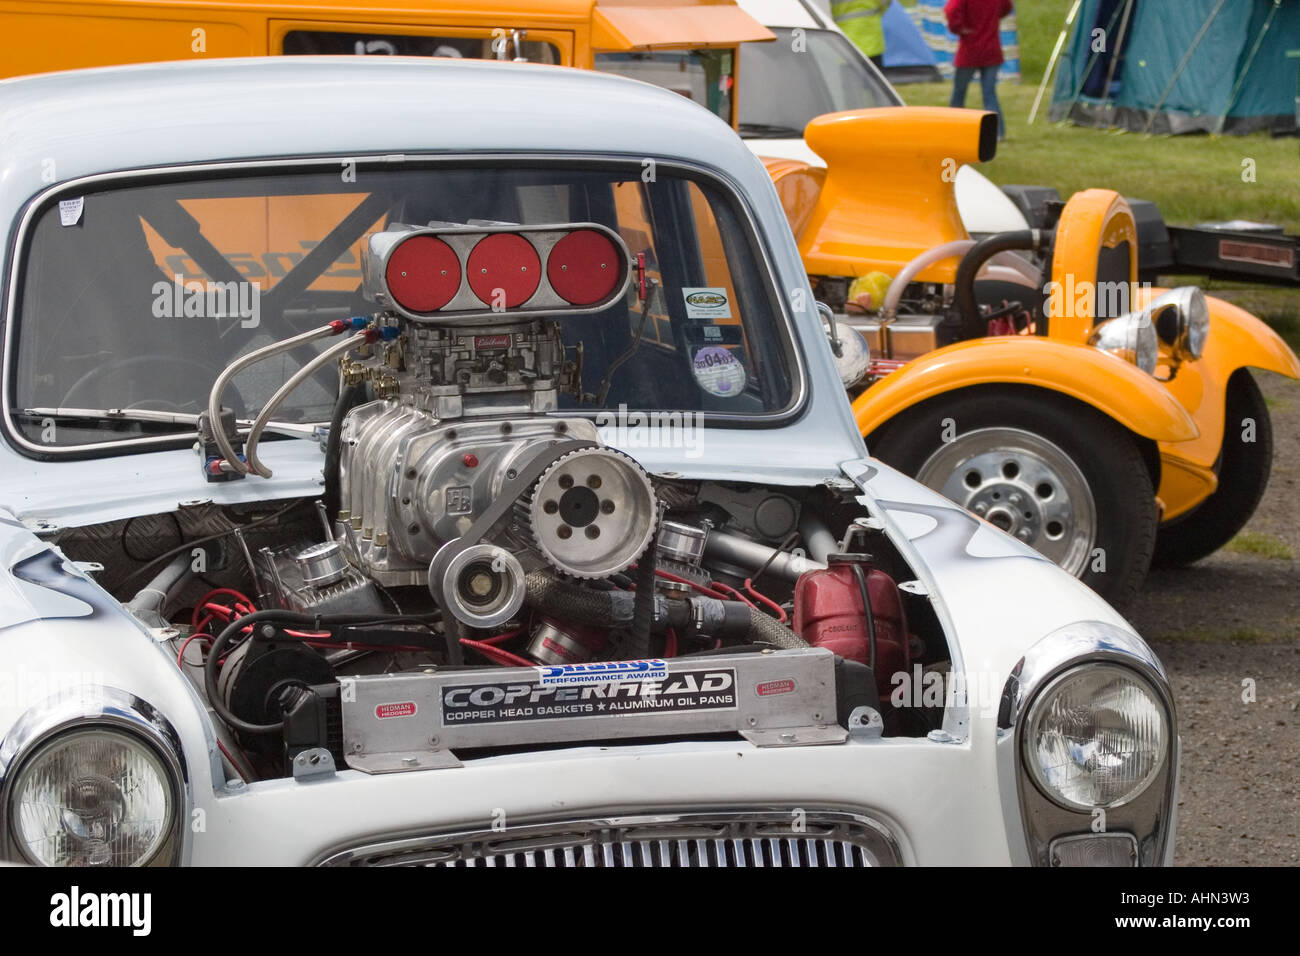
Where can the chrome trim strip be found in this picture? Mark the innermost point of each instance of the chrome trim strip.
(764, 836)
(88, 707)
(757, 240)
(1032, 820)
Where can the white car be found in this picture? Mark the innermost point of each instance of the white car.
(444, 463)
(784, 85)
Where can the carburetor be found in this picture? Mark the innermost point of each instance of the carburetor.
(460, 451)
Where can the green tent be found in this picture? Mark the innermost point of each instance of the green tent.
(1180, 66)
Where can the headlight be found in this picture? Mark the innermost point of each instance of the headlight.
(1096, 737)
(848, 346)
(1182, 321)
(1130, 336)
(93, 797)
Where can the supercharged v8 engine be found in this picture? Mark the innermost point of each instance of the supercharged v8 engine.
(463, 421)
(466, 518)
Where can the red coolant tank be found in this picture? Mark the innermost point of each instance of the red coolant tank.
(828, 613)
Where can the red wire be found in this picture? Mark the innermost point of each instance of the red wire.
(244, 606)
(670, 643)
(502, 638)
(496, 654)
(734, 593)
(232, 761)
(754, 592)
(180, 655)
(669, 576)
(351, 646)
(237, 595)
(231, 592)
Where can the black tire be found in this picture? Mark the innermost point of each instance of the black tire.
(1108, 456)
(1243, 471)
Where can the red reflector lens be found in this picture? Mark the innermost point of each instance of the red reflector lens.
(504, 270)
(584, 267)
(423, 274)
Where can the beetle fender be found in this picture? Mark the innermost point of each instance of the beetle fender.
(1114, 387)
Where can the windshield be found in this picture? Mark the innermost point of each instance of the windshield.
(136, 298)
(707, 77)
(804, 74)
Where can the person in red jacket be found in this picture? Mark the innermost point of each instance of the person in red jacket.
(979, 47)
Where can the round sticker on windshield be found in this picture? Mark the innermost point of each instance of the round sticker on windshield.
(718, 371)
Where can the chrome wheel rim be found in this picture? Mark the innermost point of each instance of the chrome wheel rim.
(1022, 483)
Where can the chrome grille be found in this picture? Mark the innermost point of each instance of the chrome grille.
(754, 838)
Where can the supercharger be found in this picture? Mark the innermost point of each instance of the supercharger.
(461, 419)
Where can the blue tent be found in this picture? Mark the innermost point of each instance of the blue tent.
(908, 59)
(1178, 66)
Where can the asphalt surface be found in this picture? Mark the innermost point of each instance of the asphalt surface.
(1228, 631)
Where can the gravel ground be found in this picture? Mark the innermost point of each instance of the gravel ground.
(1230, 619)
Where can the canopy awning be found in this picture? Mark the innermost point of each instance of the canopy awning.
(647, 26)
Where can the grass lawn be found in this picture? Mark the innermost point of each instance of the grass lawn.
(1191, 178)
(1261, 544)
(1194, 178)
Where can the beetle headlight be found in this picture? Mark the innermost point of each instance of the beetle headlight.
(1096, 736)
(1182, 321)
(92, 797)
(1130, 336)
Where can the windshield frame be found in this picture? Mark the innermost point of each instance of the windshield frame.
(838, 40)
(754, 237)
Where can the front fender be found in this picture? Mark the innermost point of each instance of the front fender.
(1109, 384)
(1236, 340)
(65, 642)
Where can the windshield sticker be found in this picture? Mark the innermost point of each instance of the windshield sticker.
(718, 371)
(707, 303)
(510, 701)
(70, 210)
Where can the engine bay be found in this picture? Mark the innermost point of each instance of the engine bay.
(479, 558)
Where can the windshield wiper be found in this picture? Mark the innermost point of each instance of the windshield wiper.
(769, 131)
(297, 429)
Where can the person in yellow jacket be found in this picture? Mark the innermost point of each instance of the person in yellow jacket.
(863, 22)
